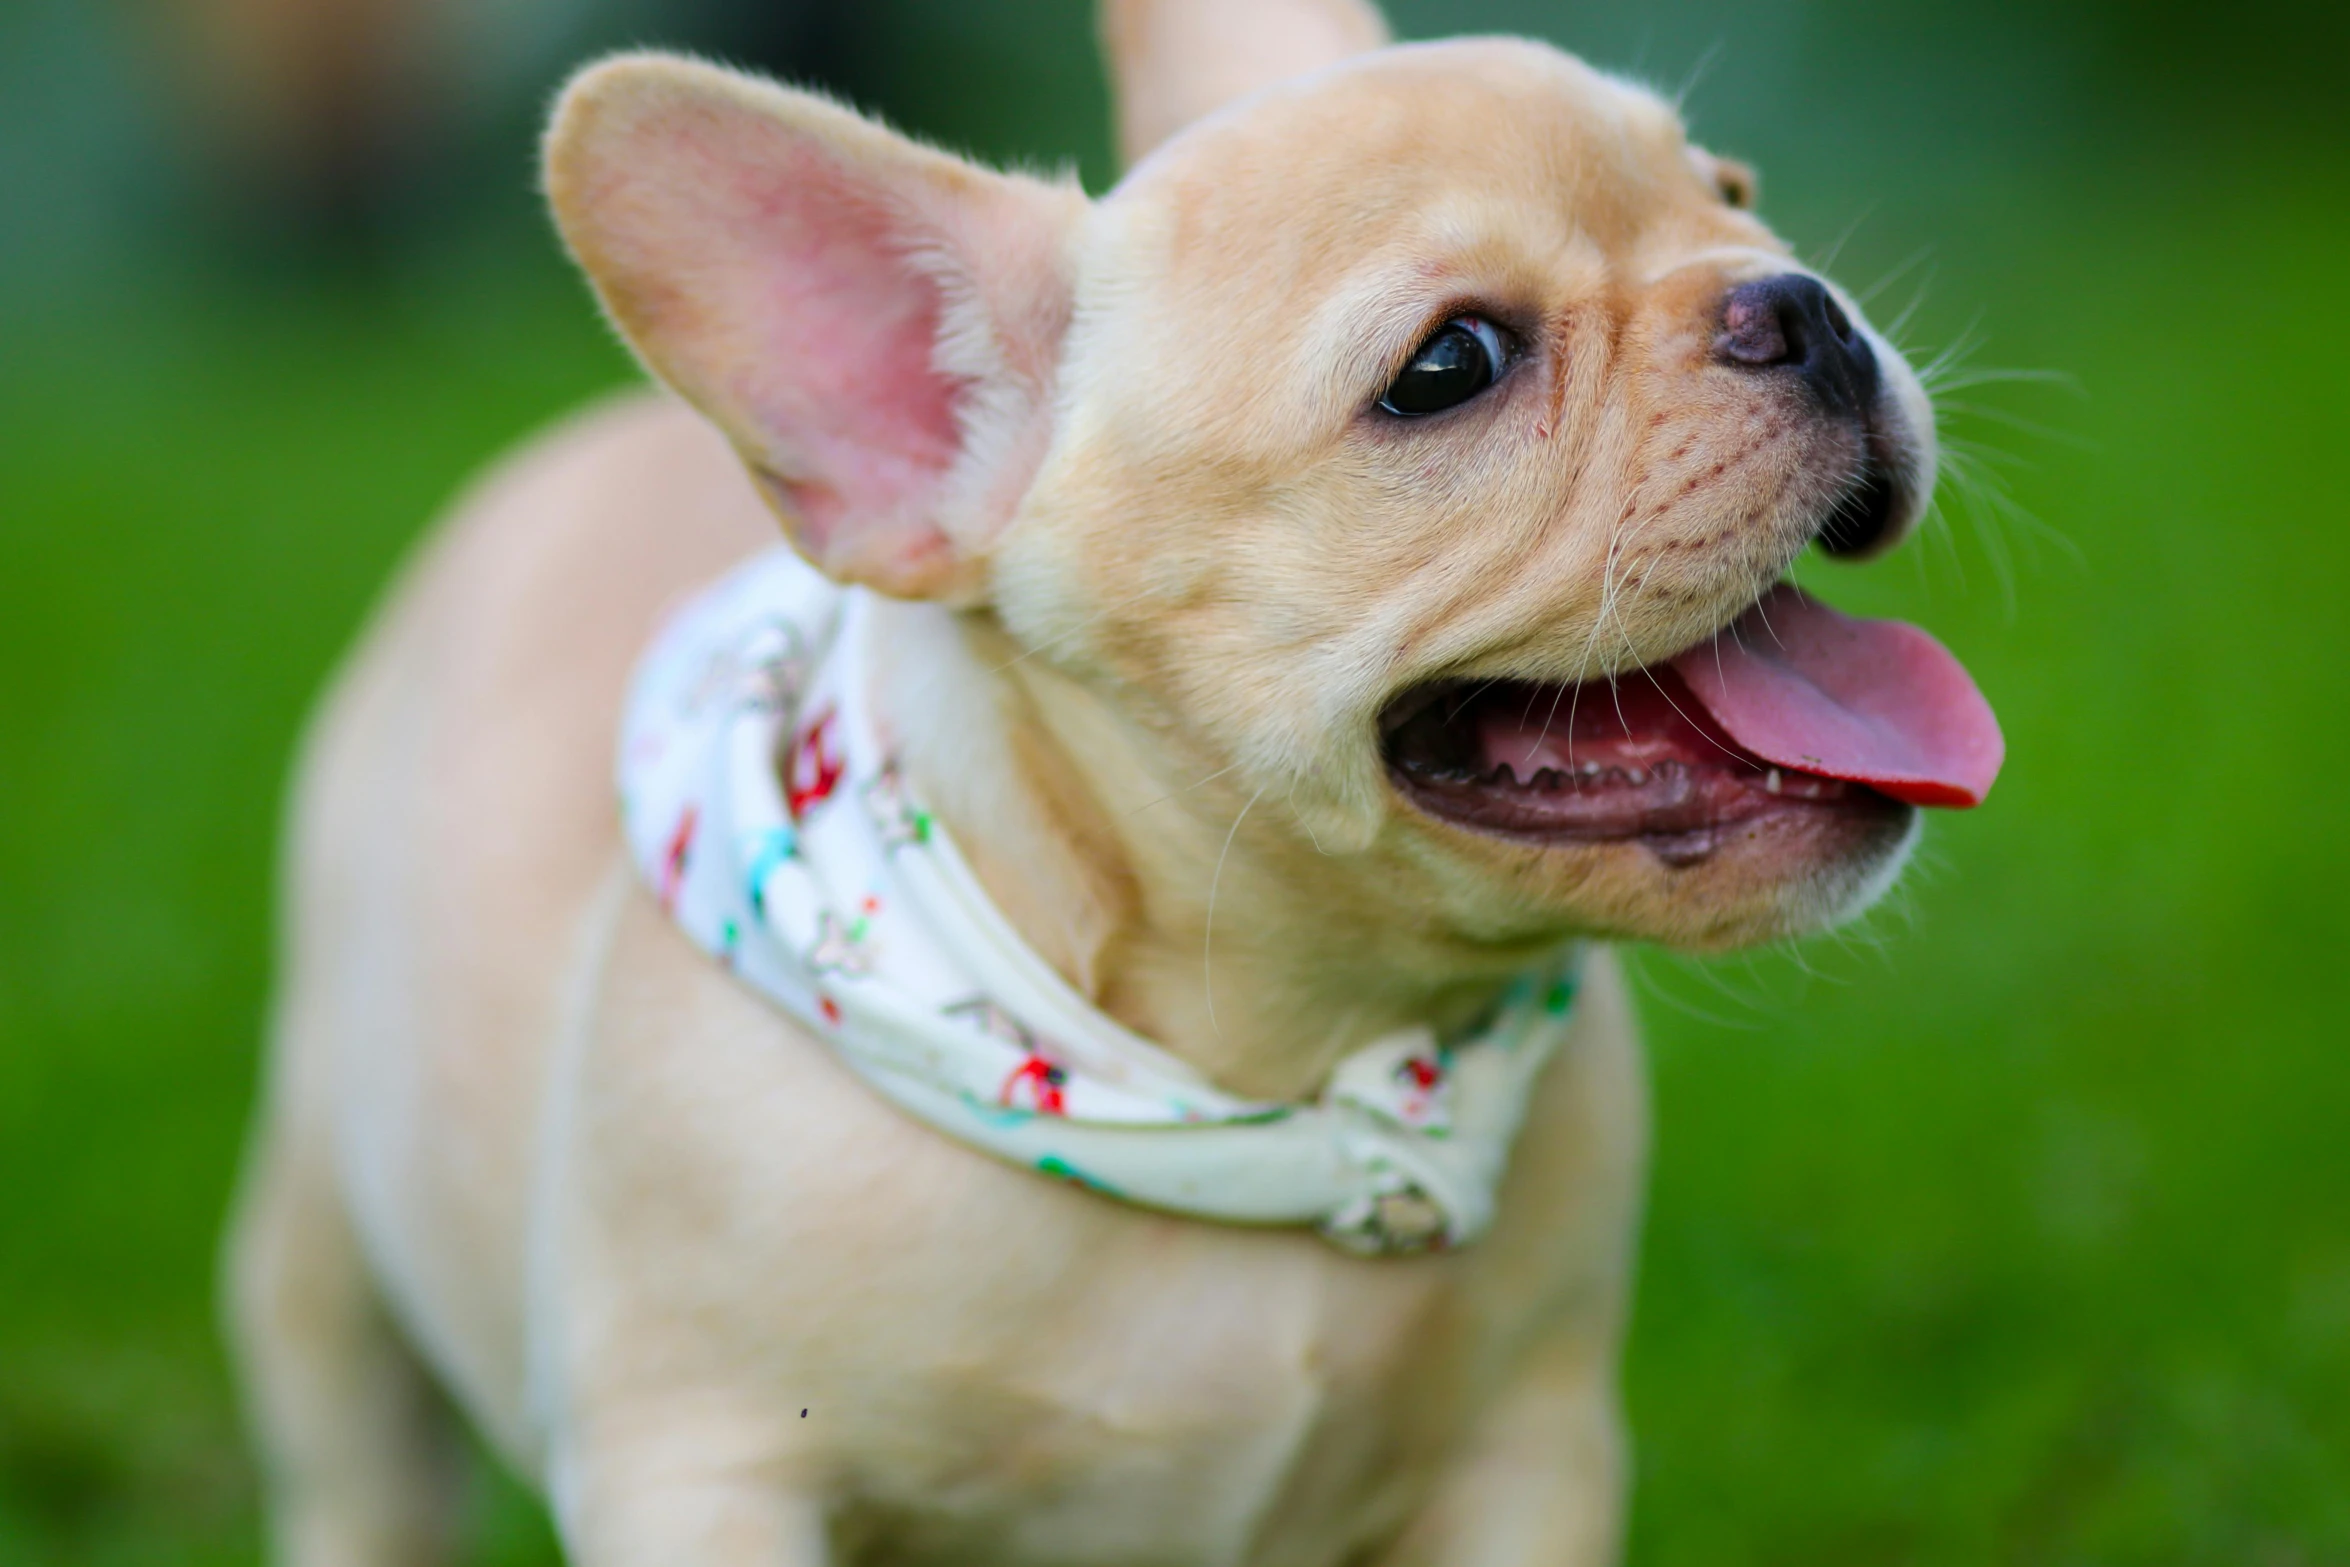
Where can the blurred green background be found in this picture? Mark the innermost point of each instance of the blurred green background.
(2014, 1227)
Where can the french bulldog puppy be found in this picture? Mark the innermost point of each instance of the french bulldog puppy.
(1316, 581)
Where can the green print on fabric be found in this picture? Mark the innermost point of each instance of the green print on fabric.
(1060, 1169)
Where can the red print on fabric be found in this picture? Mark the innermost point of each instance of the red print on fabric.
(1044, 1081)
(816, 767)
(1420, 1072)
(673, 860)
(1421, 1077)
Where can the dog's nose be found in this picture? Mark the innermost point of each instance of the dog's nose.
(1792, 322)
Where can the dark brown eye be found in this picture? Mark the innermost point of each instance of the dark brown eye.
(1463, 358)
(1736, 183)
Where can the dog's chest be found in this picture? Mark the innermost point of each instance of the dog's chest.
(999, 1369)
(1290, 1409)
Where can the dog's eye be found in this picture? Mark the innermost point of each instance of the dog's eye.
(1463, 358)
(1735, 181)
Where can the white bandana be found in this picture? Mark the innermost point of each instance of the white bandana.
(777, 832)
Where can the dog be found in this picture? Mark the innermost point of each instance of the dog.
(1316, 584)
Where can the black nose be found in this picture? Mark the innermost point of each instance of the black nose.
(1791, 322)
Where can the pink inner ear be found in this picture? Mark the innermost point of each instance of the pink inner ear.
(843, 330)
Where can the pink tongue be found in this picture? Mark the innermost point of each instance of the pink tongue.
(1874, 701)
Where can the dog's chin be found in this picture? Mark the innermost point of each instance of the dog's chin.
(1624, 806)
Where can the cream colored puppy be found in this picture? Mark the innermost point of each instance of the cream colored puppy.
(1245, 536)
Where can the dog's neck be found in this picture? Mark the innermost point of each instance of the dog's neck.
(1114, 866)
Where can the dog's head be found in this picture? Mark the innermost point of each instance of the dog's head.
(1418, 440)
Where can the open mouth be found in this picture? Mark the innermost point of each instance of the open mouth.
(1636, 757)
(1791, 708)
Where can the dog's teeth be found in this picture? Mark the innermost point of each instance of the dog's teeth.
(1637, 775)
(1771, 780)
(1591, 769)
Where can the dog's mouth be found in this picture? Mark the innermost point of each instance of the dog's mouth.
(1793, 707)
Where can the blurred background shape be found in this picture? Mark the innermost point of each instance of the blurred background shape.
(2012, 1227)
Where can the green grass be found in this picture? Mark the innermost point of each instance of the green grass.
(2011, 1229)
(206, 482)
(2017, 1233)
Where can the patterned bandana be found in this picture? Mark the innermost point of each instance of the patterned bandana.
(776, 830)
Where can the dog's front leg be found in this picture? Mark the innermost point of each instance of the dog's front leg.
(1541, 1483)
(649, 1325)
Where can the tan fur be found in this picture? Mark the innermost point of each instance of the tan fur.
(1176, 63)
(524, 1142)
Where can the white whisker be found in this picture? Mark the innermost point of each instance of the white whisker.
(1291, 800)
(1827, 261)
(1696, 74)
(1900, 270)
(1186, 789)
(1063, 636)
(1207, 952)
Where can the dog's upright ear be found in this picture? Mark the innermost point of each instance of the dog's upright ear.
(1172, 61)
(874, 324)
